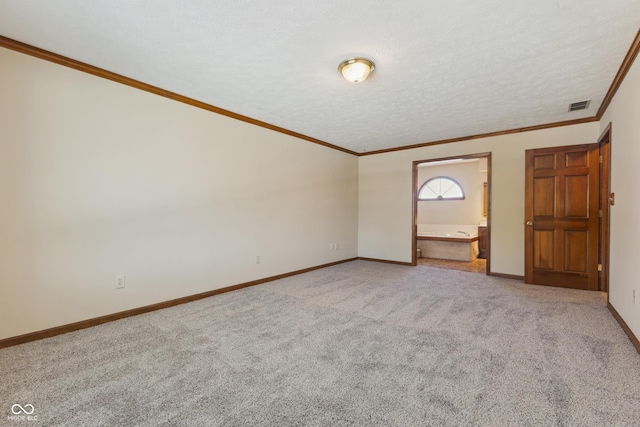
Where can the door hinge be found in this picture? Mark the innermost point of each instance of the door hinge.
(600, 213)
(600, 159)
(599, 267)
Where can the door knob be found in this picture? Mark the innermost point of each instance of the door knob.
(529, 223)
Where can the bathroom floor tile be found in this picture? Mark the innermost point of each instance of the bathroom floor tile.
(477, 266)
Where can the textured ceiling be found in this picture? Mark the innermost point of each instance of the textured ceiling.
(443, 69)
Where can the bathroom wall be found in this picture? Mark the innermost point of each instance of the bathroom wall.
(455, 212)
(98, 179)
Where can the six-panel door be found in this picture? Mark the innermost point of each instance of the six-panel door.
(561, 216)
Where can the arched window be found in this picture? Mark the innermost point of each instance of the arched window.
(441, 188)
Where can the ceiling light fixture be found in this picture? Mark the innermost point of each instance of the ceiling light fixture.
(356, 70)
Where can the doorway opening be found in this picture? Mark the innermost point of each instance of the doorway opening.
(607, 199)
(452, 212)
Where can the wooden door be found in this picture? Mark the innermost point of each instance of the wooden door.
(561, 216)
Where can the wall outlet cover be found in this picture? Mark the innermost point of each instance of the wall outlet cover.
(120, 281)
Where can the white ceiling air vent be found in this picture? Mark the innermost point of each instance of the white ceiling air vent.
(582, 105)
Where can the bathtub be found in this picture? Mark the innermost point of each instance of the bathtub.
(453, 242)
(443, 235)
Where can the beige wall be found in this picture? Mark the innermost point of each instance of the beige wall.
(385, 201)
(98, 179)
(624, 115)
(454, 212)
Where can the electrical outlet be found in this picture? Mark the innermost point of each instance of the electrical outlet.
(337, 246)
(120, 282)
(330, 246)
(257, 259)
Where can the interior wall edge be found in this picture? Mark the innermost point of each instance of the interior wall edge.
(484, 135)
(88, 323)
(634, 340)
(386, 261)
(45, 55)
(625, 66)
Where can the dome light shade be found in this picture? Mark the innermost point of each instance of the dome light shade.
(356, 70)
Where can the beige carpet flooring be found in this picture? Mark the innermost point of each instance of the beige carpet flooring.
(357, 344)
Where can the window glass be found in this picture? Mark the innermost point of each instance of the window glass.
(441, 188)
